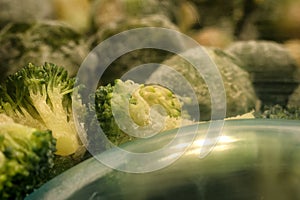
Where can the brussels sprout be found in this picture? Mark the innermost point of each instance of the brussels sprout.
(110, 11)
(240, 94)
(214, 37)
(294, 98)
(137, 57)
(25, 10)
(293, 47)
(271, 67)
(40, 42)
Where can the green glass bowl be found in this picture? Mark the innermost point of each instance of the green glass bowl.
(254, 159)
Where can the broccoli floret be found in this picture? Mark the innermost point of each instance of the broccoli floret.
(26, 155)
(279, 112)
(40, 97)
(141, 102)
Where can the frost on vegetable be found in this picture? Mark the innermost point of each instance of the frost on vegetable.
(135, 57)
(39, 42)
(240, 94)
(271, 67)
(127, 110)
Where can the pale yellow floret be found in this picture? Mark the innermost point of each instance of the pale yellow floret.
(63, 129)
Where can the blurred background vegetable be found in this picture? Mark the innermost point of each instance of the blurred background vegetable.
(272, 69)
(138, 57)
(39, 42)
(25, 11)
(240, 94)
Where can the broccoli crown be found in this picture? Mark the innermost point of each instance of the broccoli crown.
(40, 97)
(103, 96)
(141, 99)
(149, 95)
(279, 112)
(26, 154)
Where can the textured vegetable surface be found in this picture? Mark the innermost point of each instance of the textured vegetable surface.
(26, 155)
(40, 97)
(136, 57)
(240, 94)
(271, 67)
(254, 159)
(110, 103)
(40, 42)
